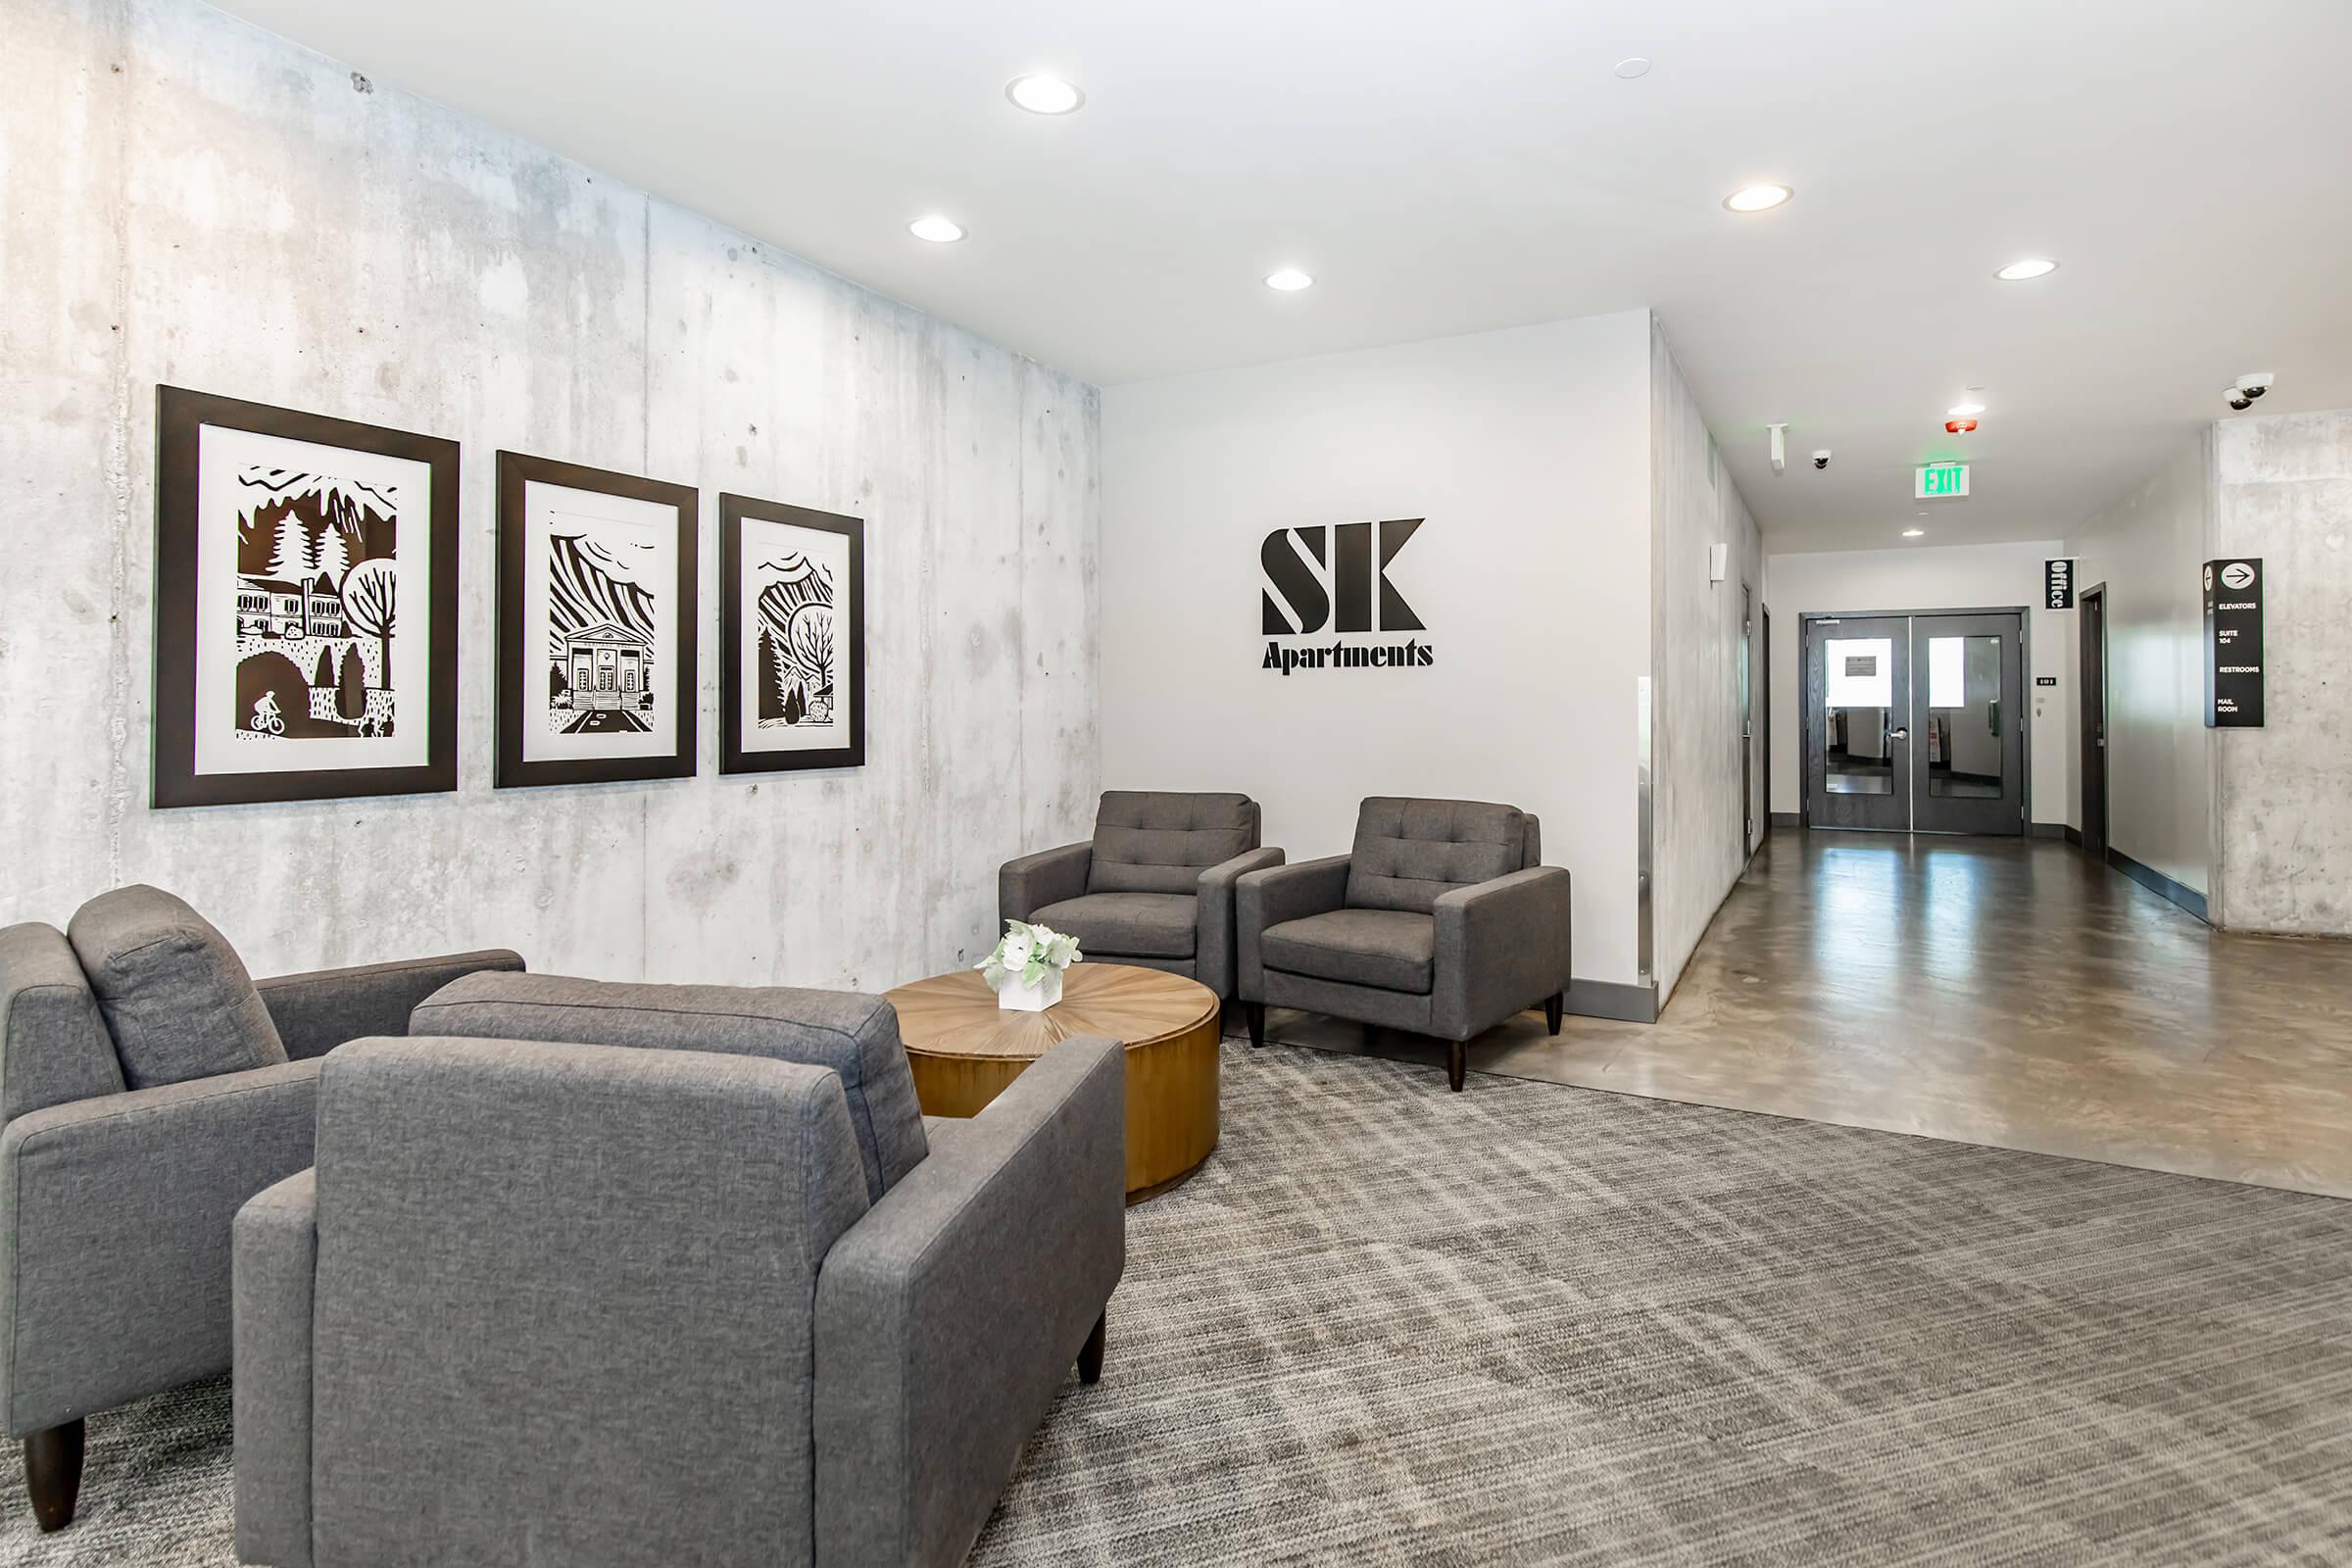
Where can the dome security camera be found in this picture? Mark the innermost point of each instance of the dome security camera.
(2238, 397)
(1821, 459)
(2254, 383)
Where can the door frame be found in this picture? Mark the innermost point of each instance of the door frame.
(1747, 721)
(1764, 725)
(1804, 707)
(2082, 718)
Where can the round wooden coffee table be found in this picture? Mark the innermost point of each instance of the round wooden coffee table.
(965, 1049)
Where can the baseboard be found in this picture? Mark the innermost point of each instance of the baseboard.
(2073, 835)
(1609, 998)
(2051, 830)
(2156, 882)
(1788, 819)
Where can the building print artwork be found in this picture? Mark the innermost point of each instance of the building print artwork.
(600, 632)
(306, 639)
(793, 629)
(596, 625)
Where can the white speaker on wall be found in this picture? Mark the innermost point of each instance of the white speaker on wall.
(1719, 562)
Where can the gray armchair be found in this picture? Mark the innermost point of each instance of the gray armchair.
(1153, 887)
(148, 1088)
(610, 1304)
(1439, 922)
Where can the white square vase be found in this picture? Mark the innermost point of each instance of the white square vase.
(1015, 997)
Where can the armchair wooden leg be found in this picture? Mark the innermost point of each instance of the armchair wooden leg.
(1257, 1011)
(1457, 1062)
(53, 1474)
(1090, 1354)
(1554, 1005)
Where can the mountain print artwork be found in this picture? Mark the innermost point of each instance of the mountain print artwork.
(792, 686)
(317, 605)
(795, 646)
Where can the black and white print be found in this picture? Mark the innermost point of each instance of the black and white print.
(601, 627)
(596, 625)
(317, 605)
(793, 605)
(306, 576)
(794, 626)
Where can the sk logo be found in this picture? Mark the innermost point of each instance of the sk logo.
(1299, 562)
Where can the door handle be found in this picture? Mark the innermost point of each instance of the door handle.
(1899, 734)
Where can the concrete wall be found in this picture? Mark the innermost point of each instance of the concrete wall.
(1698, 842)
(2283, 807)
(2148, 549)
(1936, 577)
(1529, 459)
(191, 201)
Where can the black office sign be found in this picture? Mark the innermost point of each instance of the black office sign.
(2233, 643)
(1329, 579)
(2058, 583)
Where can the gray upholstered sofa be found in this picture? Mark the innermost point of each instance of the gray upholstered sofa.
(1439, 921)
(148, 1088)
(614, 1304)
(1153, 888)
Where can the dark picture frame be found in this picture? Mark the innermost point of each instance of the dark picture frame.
(181, 416)
(739, 652)
(518, 659)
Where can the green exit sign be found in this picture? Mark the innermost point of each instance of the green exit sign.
(1941, 479)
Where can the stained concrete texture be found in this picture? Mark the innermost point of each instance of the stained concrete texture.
(2282, 815)
(192, 202)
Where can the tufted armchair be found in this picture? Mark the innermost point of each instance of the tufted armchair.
(148, 1088)
(1438, 922)
(1153, 887)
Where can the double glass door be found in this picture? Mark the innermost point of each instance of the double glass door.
(1916, 722)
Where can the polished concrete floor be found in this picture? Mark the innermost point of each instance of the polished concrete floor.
(1992, 991)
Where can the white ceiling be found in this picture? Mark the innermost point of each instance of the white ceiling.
(1455, 167)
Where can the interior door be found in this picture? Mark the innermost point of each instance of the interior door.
(1857, 730)
(2094, 720)
(1968, 748)
(1747, 721)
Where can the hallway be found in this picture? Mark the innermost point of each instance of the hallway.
(2001, 992)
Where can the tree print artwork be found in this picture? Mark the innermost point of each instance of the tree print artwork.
(796, 642)
(316, 583)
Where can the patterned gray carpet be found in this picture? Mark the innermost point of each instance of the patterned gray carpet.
(1533, 1324)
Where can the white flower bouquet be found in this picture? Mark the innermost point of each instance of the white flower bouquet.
(1025, 970)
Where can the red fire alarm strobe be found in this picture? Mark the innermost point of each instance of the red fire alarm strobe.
(1958, 426)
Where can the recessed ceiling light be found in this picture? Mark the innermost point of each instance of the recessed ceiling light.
(2031, 267)
(1289, 279)
(1913, 533)
(938, 230)
(1757, 198)
(1964, 411)
(1633, 66)
(1042, 94)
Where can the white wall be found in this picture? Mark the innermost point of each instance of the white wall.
(1529, 459)
(191, 201)
(1937, 577)
(2284, 492)
(1699, 844)
(2148, 549)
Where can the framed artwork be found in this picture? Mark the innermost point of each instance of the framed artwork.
(793, 632)
(306, 606)
(596, 625)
